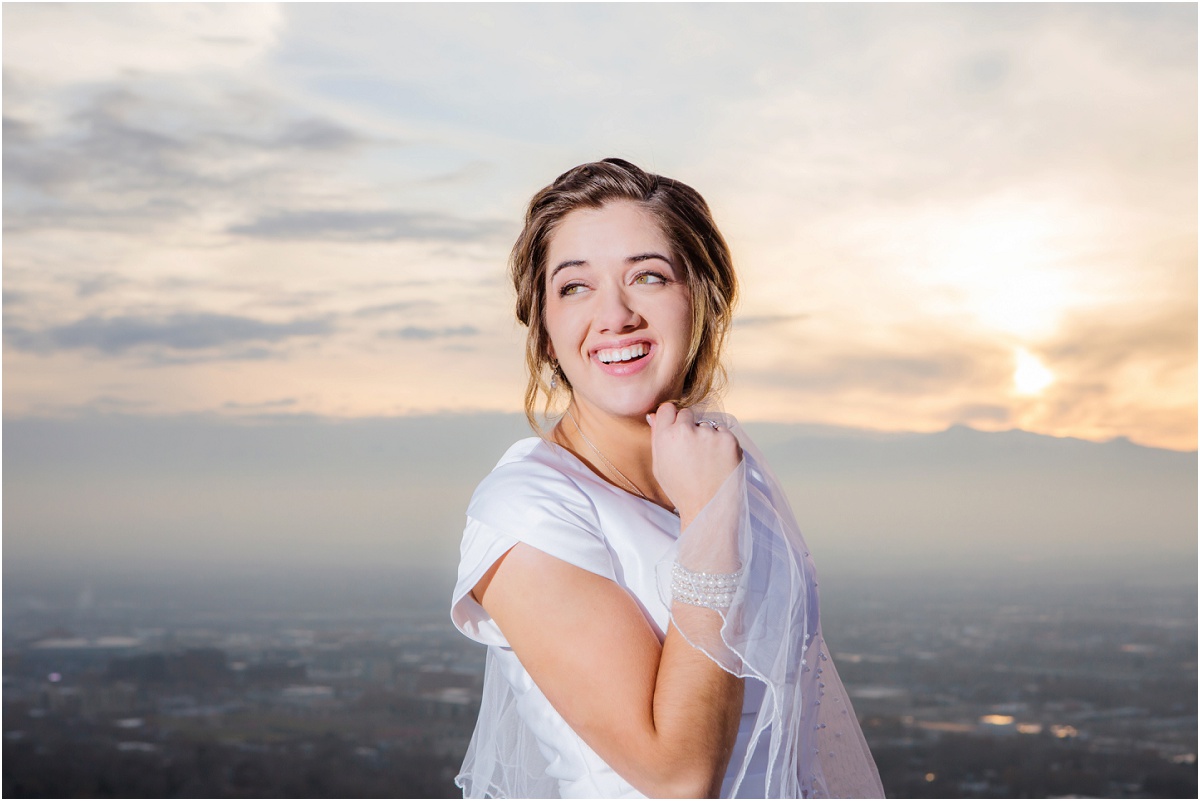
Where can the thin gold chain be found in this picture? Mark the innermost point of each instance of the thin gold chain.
(604, 458)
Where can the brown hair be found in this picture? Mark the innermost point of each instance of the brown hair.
(696, 244)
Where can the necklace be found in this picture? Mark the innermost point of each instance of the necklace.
(604, 458)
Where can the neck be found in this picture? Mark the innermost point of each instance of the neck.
(624, 442)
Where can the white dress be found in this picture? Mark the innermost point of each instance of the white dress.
(542, 495)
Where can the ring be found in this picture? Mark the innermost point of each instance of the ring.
(708, 423)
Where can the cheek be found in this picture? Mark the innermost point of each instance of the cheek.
(559, 332)
(549, 339)
(682, 317)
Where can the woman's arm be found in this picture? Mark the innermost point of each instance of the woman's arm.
(665, 717)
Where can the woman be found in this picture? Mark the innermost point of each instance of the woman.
(648, 602)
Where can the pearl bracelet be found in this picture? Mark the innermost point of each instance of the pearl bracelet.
(710, 590)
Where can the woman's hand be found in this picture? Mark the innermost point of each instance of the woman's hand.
(691, 462)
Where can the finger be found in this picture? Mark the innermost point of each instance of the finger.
(686, 417)
(666, 414)
(650, 420)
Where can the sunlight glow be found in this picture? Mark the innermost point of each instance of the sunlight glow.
(1031, 376)
(1003, 262)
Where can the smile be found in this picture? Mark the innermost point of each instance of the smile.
(615, 355)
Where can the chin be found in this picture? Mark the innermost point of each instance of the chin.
(633, 405)
(624, 397)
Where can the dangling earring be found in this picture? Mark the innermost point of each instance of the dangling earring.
(554, 377)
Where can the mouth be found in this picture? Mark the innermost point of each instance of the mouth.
(624, 359)
(629, 353)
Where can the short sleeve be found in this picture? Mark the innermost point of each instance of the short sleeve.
(531, 502)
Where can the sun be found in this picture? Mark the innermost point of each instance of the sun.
(1030, 376)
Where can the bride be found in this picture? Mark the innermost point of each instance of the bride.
(648, 603)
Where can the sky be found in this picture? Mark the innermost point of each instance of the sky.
(981, 215)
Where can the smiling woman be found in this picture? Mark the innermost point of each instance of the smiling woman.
(648, 602)
(619, 320)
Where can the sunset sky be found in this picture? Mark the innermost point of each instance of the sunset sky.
(941, 214)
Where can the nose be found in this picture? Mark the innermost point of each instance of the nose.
(616, 313)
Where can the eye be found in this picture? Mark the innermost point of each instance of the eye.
(573, 288)
(650, 278)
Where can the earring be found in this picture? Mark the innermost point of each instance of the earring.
(554, 377)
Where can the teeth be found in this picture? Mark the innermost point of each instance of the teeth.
(622, 354)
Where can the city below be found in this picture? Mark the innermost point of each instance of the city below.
(964, 689)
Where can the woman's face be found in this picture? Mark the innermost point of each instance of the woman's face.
(618, 311)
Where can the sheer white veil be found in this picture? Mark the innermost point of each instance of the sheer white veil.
(805, 728)
(813, 743)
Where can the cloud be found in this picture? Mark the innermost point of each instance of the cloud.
(767, 320)
(465, 175)
(950, 102)
(1100, 343)
(384, 309)
(983, 413)
(17, 132)
(425, 334)
(132, 135)
(133, 217)
(99, 142)
(175, 358)
(897, 373)
(80, 43)
(376, 226)
(317, 134)
(133, 155)
(113, 403)
(178, 332)
(281, 403)
(1121, 373)
(96, 284)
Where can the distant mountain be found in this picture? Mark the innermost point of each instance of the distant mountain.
(204, 494)
(975, 501)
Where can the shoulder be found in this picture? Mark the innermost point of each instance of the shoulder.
(533, 479)
(535, 495)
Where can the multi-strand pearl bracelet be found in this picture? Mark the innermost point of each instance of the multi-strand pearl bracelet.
(710, 590)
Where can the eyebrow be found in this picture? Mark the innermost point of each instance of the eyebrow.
(631, 260)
